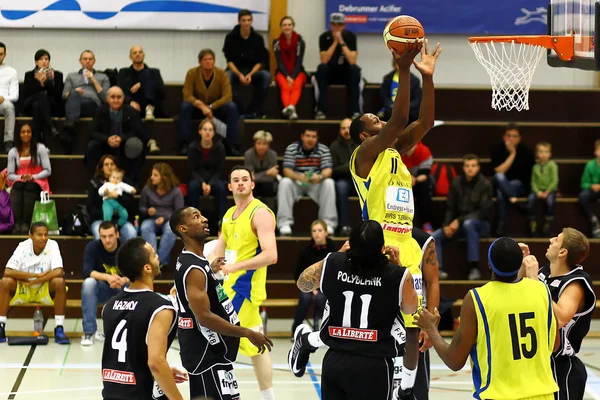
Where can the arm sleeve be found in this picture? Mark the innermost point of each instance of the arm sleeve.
(299, 57)
(497, 156)
(125, 84)
(67, 87)
(105, 83)
(586, 178)
(126, 187)
(484, 207)
(554, 177)
(228, 49)
(89, 260)
(178, 200)
(11, 168)
(280, 64)
(102, 189)
(96, 131)
(56, 261)
(289, 158)
(219, 154)
(534, 186)
(144, 201)
(326, 161)
(56, 88)
(323, 42)
(13, 91)
(14, 262)
(93, 210)
(226, 93)
(159, 84)
(451, 204)
(30, 85)
(45, 159)
(351, 42)
(188, 86)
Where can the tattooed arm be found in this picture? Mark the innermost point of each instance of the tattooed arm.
(310, 279)
(431, 276)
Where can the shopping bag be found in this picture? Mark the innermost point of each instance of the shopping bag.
(45, 211)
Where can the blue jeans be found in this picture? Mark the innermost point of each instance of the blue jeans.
(167, 239)
(218, 190)
(472, 230)
(92, 293)
(506, 189)
(260, 80)
(127, 231)
(343, 189)
(550, 203)
(587, 198)
(227, 113)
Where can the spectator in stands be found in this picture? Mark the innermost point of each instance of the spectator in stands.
(341, 150)
(262, 161)
(160, 198)
(117, 130)
(320, 245)
(206, 160)
(34, 274)
(289, 52)
(207, 94)
(419, 160)
(9, 95)
(43, 95)
(512, 162)
(28, 171)
(307, 168)
(102, 278)
(590, 189)
(544, 183)
(247, 63)
(388, 91)
(84, 91)
(467, 214)
(7, 217)
(338, 52)
(105, 167)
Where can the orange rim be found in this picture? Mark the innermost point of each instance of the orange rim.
(564, 46)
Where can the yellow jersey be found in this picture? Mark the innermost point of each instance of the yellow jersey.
(516, 329)
(241, 244)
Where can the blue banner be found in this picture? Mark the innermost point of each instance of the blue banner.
(471, 17)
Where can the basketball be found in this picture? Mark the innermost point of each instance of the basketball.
(401, 31)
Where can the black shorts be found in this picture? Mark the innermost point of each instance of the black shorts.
(219, 382)
(421, 388)
(352, 377)
(571, 376)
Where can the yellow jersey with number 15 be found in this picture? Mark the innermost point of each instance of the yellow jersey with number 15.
(516, 329)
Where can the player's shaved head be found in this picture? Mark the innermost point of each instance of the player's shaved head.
(135, 48)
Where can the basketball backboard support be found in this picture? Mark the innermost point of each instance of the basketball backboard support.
(580, 18)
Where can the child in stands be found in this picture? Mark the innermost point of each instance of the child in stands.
(544, 183)
(109, 203)
(590, 189)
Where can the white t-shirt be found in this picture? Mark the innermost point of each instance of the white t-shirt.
(209, 247)
(24, 259)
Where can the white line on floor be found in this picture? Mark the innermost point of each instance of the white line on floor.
(593, 384)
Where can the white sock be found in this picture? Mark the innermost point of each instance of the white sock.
(314, 339)
(408, 378)
(268, 394)
(59, 320)
(3, 320)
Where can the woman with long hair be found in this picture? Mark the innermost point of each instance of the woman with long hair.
(159, 199)
(28, 172)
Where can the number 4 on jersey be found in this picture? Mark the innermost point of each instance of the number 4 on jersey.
(120, 344)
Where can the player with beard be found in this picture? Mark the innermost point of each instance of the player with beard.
(139, 328)
(208, 324)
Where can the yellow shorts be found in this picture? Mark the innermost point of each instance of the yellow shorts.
(32, 295)
(249, 315)
(410, 257)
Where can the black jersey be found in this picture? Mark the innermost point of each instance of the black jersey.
(127, 318)
(200, 347)
(423, 239)
(574, 331)
(363, 313)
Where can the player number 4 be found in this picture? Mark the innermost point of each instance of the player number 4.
(364, 312)
(520, 349)
(120, 344)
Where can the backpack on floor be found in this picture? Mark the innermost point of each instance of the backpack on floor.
(443, 175)
(76, 222)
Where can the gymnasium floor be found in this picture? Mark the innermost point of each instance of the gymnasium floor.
(58, 372)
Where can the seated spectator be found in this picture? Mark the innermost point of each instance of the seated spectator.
(34, 275)
(341, 150)
(9, 95)
(117, 129)
(247, 60)
(206, 160)
(42, 91)
(338, 52)
(84, 91)
(512, 162)
(160, 198)
(307, 168)
(7, 217)
(102, 278)
(207, 94)
(28, 171)
(419, 160)
(111, 206)
(320, 245)
(590, 189)
(467, 214)
(289, 53)
(388, 91)
(544, 183)
(262, 161)
(106, 166)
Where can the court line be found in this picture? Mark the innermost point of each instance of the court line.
(68, 349)
(314, 380)
(21, 375)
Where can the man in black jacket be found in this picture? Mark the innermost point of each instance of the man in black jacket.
(388, 90)
(117, 130)
(468, 213)
(247, 63)
(341, 150)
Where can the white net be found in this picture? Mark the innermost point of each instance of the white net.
(511, 67)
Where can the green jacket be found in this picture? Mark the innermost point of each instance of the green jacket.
(544, 177)
(591, 174)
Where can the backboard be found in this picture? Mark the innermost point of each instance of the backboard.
(579, 18)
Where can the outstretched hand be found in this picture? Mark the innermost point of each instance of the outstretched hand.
(405, 60)
(427, 64)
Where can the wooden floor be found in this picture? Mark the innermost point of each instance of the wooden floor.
(73, 371)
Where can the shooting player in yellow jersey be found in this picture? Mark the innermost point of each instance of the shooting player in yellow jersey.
(508, 328)
(248, 243)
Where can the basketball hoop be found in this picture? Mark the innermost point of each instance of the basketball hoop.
(511, 61)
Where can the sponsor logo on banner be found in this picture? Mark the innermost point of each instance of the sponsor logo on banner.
(185, 323)
(212, 337)
(228, 382)
(362, 335)
(115, 376)
(540, 14)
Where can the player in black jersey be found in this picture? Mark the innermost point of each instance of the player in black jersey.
(139, 327)
(574, 301)
(363, 329)
(208, 326)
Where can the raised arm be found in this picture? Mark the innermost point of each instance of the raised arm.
(310, 279)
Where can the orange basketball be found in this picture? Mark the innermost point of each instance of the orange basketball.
(402, 31)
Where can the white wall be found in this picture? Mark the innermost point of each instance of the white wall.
(175, 51)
